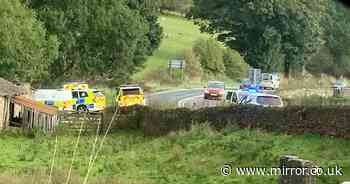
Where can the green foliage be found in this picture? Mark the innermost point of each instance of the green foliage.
(333, 58)
(322, 62)
(235, 66)
(179, 36)
(268, 33)
(26, 50)
(216, 60)
(337, 26)
(193, 67)
(100, 39)
(210, 53)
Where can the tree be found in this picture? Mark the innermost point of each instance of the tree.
(337, 34)
(235, 66)
(101, 39)
(322, 62)
(265, 32)
(26, 50)
(211, 56)
(334, 58)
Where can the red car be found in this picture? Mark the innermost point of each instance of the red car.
(215, 90)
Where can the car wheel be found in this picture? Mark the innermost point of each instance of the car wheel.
(82, 108)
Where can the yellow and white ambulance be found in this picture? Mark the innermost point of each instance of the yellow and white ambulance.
(73, 97)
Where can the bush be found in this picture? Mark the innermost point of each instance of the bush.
(163, 76)
(211, 56)
(235, 67)
(26, 49)
(193, 69)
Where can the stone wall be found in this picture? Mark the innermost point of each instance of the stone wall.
(295, 177)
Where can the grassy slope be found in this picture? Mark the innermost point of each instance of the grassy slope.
(179, 35)
(186, 157)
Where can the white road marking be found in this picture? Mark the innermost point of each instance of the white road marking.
(181, 103)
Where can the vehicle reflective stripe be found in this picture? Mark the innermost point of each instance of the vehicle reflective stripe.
(81, 101)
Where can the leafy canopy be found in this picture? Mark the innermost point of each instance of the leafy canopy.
(26, 50)
(273, 35)
(100, 39)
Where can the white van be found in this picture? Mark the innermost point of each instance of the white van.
(270, 81)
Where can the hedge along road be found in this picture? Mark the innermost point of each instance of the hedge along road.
(171, 98)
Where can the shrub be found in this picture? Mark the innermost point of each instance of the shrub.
(193, 69)
(235, 67)
(210, 53)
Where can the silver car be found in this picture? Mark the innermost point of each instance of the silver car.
(259, 99)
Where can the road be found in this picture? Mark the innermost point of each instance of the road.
(198, 102)
(189, 98)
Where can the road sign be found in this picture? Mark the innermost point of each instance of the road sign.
(177, 64)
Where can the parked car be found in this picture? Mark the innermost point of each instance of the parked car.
(235, 96)
(130, 95)
(260, 99)
(214, 90)
(340, 84)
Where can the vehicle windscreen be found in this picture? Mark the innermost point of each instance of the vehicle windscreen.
(340, 82)
(267, 77)
(52, 95)
(132, 91)
(269, 100)
(216, 85)
(229, 95)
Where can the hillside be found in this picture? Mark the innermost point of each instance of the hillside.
(179, 35)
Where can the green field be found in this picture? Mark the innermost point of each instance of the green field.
(186, 157)
(179, 35)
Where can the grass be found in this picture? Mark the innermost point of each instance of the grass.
(179, 35)
(317, 100)
(183, 157)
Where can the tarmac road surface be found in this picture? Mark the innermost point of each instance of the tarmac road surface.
(185, 98)
(171, 98)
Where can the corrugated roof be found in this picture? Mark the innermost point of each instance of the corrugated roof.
(34, 105)
(9, 89)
